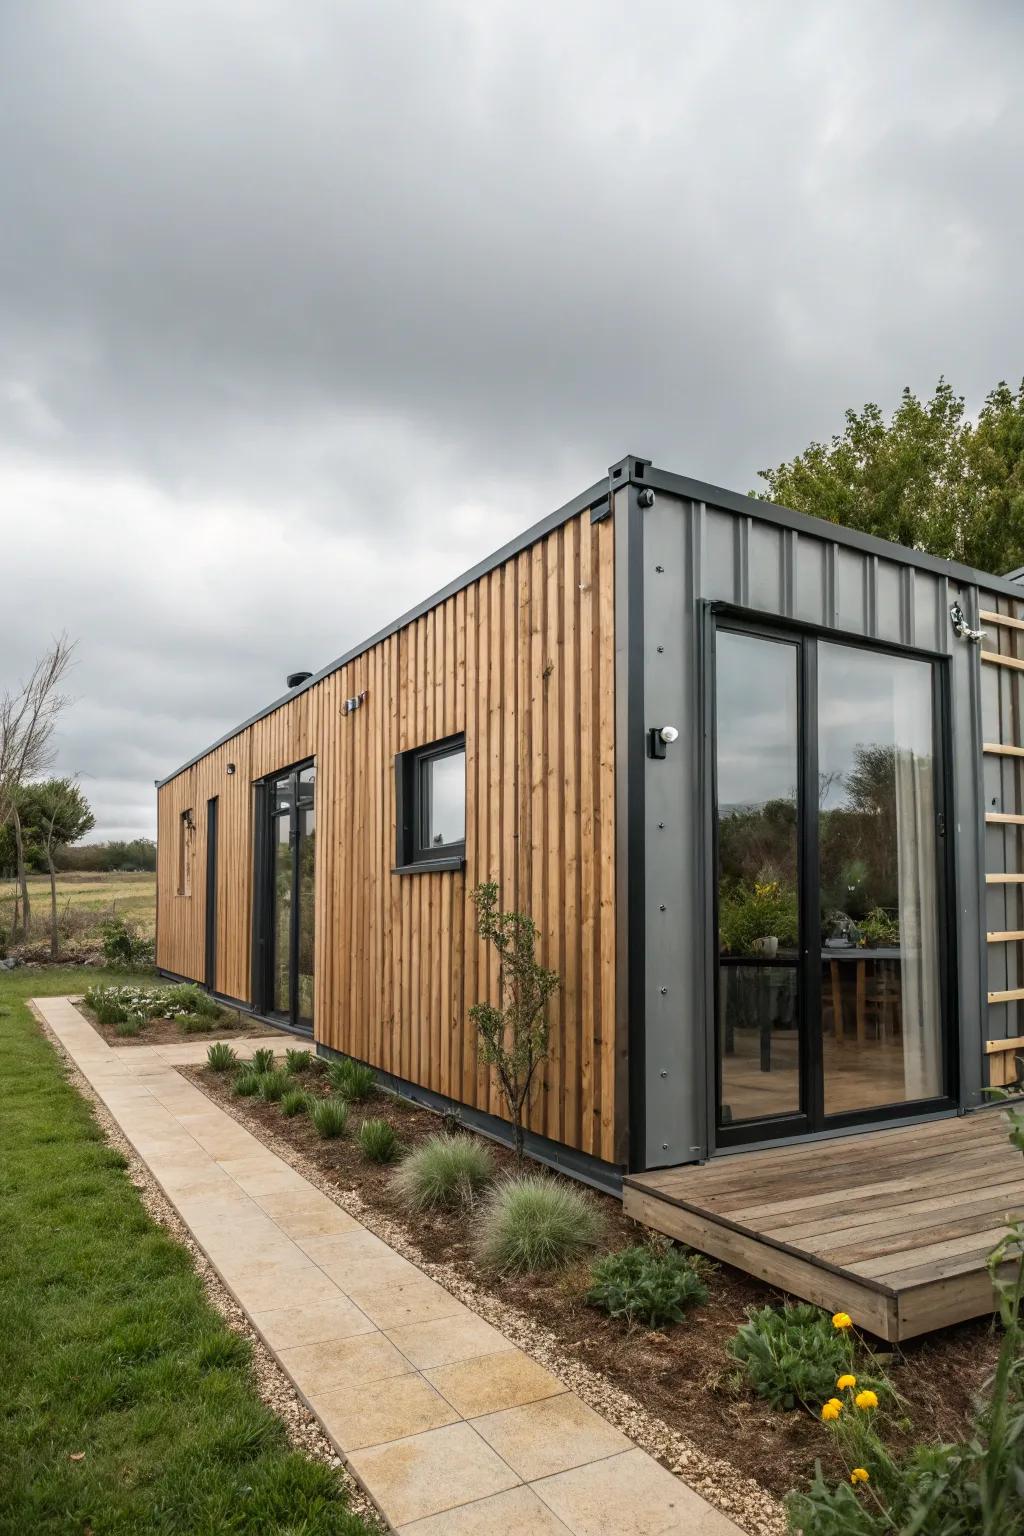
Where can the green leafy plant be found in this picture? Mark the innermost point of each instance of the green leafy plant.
(197, 1024)
(791, 1354)
(531, 1222)
(297, 1061)
(445, 1171)
(273, 1086)
(247, 1083)
(263, 1060)
(191, 999)
(329, 1117)
(124, 946)
(352, 1079)
(879, 929)
(650, 1285)
(294, 1101)
(109, 1010)
(766, 909)
(514, 1034)
(129, 1027)
(378, 1141)
(220, 1057)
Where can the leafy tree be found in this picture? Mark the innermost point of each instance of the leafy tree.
(929, 478)
(57, 813)
(514, 1035)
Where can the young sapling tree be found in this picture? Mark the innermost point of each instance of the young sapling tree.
(514, 1034)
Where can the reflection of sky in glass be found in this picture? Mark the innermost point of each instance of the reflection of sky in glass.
(867, 699)
(757, 733)
(447, 799)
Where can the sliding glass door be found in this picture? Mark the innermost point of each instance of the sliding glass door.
(831, 978)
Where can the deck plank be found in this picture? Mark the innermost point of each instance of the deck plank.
(893, 1225)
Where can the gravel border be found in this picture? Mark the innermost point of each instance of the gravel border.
(272, 1383)
(722, 1484)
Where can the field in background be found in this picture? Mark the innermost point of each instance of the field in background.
(87, 899)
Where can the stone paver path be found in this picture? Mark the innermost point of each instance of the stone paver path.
(451, 1429)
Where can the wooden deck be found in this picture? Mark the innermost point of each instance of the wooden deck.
(892, 1226)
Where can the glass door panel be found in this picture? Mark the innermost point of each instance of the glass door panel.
(288, 978)
(282, 889)
(306, 912)
(881, 1010)
(757, 837)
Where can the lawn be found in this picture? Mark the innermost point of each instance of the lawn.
(127, 1403)
(85, 899)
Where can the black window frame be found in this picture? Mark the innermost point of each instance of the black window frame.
(412, 855)
(265, 815)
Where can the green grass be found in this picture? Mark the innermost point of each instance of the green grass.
(93, 895)
(109, 1351)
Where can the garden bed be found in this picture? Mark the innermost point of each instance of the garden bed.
(684, 1375)
(159, 1029)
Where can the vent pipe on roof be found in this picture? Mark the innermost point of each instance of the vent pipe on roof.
(296, 679)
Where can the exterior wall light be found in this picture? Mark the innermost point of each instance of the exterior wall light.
(231, 768)
(659, 737)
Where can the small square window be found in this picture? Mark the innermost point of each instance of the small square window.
(431, 789)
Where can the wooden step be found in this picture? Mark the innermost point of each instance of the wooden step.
(1001, 749)
(1012, 936)
(985, 617)
(1004, 818)
(1002, 661)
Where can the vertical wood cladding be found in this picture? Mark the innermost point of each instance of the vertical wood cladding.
(522, 660)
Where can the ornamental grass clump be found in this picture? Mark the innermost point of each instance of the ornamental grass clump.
(128, 1027)
(351, 1079)
(378, 1142)
(296, 1062)
(263, 1060)
(220, 1057)
(530, 1222)
(247, 1083)
(273, 1086)
(648, 1285)
(294, 1102)
(445, 1171)
(329, 1117)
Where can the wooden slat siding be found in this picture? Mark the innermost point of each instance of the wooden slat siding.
(900, 1213)
(397, 960)
(988, 616)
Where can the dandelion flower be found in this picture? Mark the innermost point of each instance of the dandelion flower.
(842, 1320)
(846, 1381)
(859, 1475)
(832, 1409)
(866, 1399)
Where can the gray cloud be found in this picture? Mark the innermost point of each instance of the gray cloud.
(305, 308)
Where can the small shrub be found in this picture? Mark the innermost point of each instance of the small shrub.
(128, 1027)
(220, 1057)
(654, 1286)
(792, 1355)
(124, 946)
(351, 1079)
(378, 1141)
(445, 1171)
(108, 1010)
(329, 1117)
(197, 1024)
(263, 1060)
(293, 1102)
(297, 1061)
(531, 1222)
(247, 1083)
(186, 997)
(273, 1086)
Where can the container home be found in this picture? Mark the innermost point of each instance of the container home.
(756, 777)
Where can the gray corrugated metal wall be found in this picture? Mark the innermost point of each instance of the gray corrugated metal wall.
(695, 554)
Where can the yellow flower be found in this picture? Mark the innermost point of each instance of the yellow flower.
(866, 1399)
(832, 1409)
(842, 1320)
(846, 1381)
(859, 1475)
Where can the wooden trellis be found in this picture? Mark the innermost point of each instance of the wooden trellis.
(1003, 1053)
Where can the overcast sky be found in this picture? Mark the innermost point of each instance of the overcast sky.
(306, 306)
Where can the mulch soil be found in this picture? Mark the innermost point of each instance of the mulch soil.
(173, 1032)
(683, 1376)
